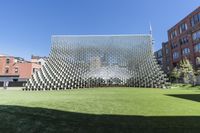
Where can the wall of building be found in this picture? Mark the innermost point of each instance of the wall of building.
(6, 65)
(166, 57)
(26, 69)
(17, 68)
(181, 42)
(40, 61)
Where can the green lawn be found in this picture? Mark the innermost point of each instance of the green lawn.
(99, 110)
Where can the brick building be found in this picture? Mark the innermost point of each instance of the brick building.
(163, 57)
(159, 56)
(183, 41)
(16, 68)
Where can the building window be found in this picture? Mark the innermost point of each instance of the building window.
(197, 48)
(167, 60)
(186, 51)
(7, 70)
(175, 55)
(196, 35)
(159, 54)
(160, 61)
(34, 70)
(173, 34)
(174, 45)
(7, 61)
(16, 70)
(167, 51)
(183, 40)
(195, 19)
(183, 27)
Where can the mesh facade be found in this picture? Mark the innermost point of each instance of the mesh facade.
(97, 61)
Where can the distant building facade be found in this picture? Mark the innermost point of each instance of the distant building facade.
(159, 56)
(38, 59)
(16, 68)
(166, 57)
(8, 71)
(183, 41)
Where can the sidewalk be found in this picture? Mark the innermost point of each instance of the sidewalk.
(12, 88)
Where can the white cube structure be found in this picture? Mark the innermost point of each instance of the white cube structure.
(85, 61)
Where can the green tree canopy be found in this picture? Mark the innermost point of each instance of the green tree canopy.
(175, 74)
(186, 70)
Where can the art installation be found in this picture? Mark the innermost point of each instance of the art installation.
(86, 61)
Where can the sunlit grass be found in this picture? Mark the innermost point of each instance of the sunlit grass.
(101, 104)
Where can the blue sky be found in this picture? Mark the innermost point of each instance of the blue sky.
(26, 26)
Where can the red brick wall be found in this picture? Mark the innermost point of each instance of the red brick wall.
(25, 69)
(192, 56)
(4, 65)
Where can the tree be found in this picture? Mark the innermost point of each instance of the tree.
(187, 71)
(197, 73)
(175, 74)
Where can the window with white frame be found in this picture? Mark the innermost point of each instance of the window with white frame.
(195, 19)
(176, 55)
(16, 70)
(183, 40)
(174, 45)
(196, 35)
(173, 34)
(197, 47)
(7, 61)
(186, 51)
(183, 27)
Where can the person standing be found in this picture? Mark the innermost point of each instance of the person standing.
(5, 84)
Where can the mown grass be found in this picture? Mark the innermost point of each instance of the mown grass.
(100, 110)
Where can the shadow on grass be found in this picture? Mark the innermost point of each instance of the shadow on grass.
(193, 97)
(17, 119)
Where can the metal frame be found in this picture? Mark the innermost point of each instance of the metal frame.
(85, 61)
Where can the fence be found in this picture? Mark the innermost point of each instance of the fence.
(14, 84)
